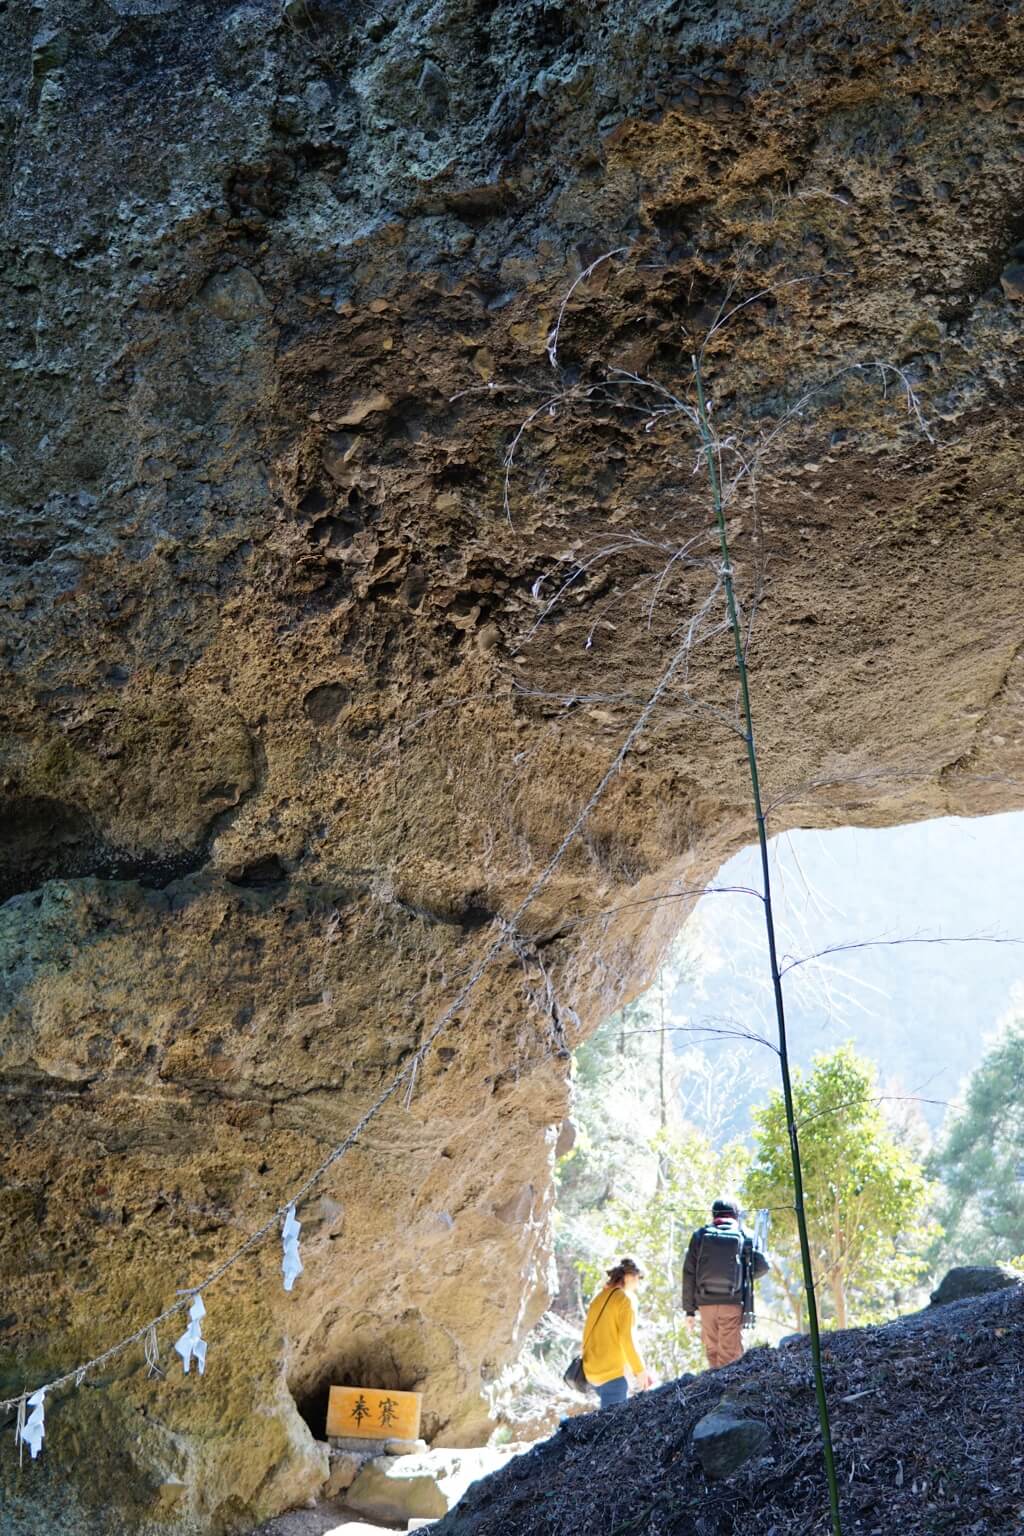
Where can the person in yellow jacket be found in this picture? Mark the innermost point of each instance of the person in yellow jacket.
(609, 1341)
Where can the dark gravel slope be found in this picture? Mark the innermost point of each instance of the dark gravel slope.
(928, 1414)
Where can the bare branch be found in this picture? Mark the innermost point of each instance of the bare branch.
(551, 346)
(705, 1030)
(876, 1098)
(791, 963)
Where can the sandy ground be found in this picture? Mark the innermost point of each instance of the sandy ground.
(329, 1519)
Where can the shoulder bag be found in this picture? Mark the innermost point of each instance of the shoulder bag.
(573, 1374)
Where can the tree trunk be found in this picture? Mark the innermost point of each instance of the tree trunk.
(794, 1299)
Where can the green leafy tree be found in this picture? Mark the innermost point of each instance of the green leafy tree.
(981, 1159)
(655, 1230)
(865, 1196)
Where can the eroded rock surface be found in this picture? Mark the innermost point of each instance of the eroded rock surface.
(287, 730)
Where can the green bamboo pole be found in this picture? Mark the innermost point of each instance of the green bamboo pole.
(780, 1010)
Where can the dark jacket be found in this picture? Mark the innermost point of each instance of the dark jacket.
(699, 1287)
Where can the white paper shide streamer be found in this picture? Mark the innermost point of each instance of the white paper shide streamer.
(291, 1264)
(192, 1344)
(30, 1431)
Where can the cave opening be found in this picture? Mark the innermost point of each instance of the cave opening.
(906, 941)
(903, 957)
(385, 1355)
(312, 1407)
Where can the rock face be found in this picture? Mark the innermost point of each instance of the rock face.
(304, 686)
(973, 1280)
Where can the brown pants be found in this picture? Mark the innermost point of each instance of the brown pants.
(721, 1332)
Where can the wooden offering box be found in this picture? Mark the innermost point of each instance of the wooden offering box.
(369, 1414)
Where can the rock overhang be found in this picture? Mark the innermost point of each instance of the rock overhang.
(271, 682)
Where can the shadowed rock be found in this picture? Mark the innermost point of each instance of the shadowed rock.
(973, 1280)
(277, 302)
(723, 1440)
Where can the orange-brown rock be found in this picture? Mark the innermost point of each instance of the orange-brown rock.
(287, 732)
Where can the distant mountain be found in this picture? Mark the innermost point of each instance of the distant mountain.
(921, 1010)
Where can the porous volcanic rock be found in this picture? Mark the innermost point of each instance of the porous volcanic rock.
(303, 688)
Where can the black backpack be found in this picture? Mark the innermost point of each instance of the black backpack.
(720, 1263)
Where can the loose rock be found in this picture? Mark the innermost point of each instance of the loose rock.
(724, 1440)
(344, 1470)
(401, 1488)
(397, 1488)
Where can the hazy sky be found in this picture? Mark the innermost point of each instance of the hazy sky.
(922, 1011)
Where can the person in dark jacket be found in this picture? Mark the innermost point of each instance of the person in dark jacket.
(713, 1278)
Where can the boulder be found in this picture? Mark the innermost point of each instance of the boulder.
(396, 1489)
(344, 1471)
(234, 296)
(723, 1440)
(973, 1280)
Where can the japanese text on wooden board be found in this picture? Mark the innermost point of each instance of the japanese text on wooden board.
(373, 1414)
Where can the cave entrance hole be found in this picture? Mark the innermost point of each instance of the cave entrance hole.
(910, 980)
(390, 1355)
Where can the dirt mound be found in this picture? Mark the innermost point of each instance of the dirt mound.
(926, 1425)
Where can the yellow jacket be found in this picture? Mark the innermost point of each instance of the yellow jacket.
(608, 1343)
